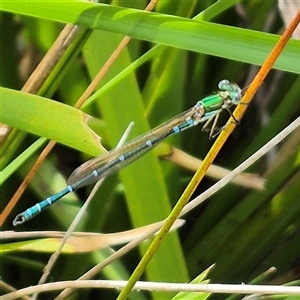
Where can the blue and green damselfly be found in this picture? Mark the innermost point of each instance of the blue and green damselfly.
(105, 165)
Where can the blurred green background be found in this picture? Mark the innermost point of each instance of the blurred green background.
(242, 231)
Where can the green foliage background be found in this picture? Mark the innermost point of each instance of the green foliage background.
(244, 232)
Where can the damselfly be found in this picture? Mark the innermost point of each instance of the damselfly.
(104, 165)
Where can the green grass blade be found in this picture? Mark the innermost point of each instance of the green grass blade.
(199, 36)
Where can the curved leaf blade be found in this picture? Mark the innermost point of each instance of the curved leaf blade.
(50, 119)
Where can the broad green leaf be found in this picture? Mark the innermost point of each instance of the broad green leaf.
(203, 37)
(119, 106)
(50, 119)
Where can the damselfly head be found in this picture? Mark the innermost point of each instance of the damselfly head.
(234, 92)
